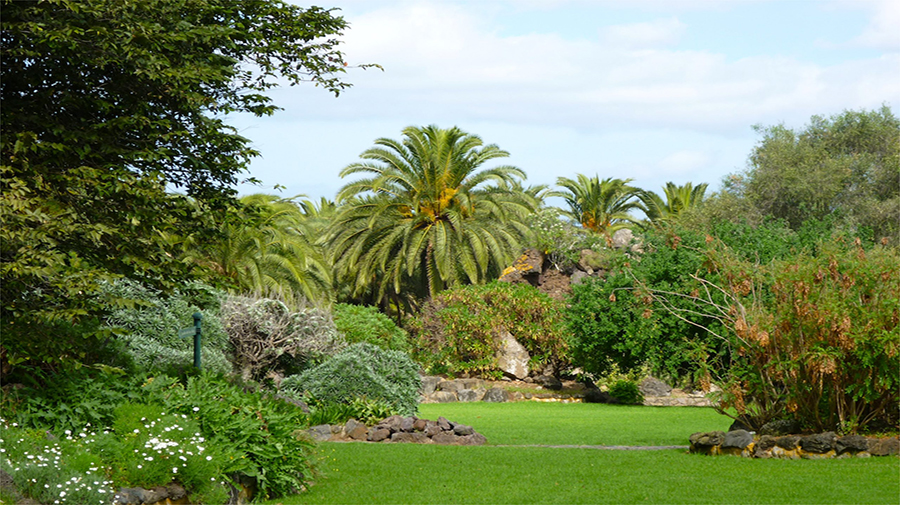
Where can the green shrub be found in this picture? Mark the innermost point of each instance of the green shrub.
(266, 431)
(266, 334)
(70, 399)
(362, 409)
(627, 392)
(367, 324)
(458, 330)
(361, 370)
(150, 329)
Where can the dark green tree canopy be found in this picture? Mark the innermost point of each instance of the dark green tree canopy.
(107, 105)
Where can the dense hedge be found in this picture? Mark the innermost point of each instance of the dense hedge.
(366, 324)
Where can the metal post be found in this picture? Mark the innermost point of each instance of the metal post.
(197, 318)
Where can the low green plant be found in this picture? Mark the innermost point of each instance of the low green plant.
(627, 392)
(366, 324)
(266, 431)
(361, 370)
(362, 409)
(458, 330)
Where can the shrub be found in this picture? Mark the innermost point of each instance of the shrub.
(559, 240)
(150, 329)
(816, 336)
(268, 433)
(458, 330)
(366, 324)
(265, 333)
(361, 370)
(627, 392)
(616, 321)
(70, 399)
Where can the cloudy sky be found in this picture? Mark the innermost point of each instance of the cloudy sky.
(654, 90)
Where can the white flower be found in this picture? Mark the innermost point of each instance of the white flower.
(209, 458)
(174, 469)
(196, 409)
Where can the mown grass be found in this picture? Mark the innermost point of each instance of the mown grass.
(530, 423)
(399, 473)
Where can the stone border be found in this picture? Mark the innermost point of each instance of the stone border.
(818, 446)
(398, 429)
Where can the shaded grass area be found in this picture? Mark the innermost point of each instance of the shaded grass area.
(528, 423)
(399, 473)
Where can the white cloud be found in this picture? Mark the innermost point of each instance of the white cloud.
(660, 32)
(883, 30)
(684, 162)
(444, 61)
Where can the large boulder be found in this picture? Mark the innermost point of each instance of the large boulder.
(496, 395)
(512, 357)
(652, 386)
(429, 384)
(527, 268)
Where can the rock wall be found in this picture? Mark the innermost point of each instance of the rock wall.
(817, 446)
(397, 429)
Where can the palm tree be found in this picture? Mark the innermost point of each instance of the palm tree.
(678, 199)
(427, 216)
(600, 206)
(267, 246)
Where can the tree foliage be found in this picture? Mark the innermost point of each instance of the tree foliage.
(847, 166)
(600, 206)
(427, 217)
(107, 104)
(677, 200)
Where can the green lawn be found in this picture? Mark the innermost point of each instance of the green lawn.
(393, 473)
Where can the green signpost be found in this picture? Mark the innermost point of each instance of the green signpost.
(195, 331)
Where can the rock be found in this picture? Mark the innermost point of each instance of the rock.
(443, 397)
(429, 384)
(763, 445)
(707, 439)
(379, 434)
(884, 446)
(622, 238)
(851, 443)
(356, 430)
(597, 396)
(780, 427)
(473, 439)
(819, 443)
(157, 494)
(444, 424)
(320, 433)
(471, 383)
(589, 261)
(129, 496)
(445, 438)
(420, 424)
(789, 442)
(549, 382)
(449, 386)
(406, 424)
(392, 423)
(470, 395)
(496, 395)
(652, 386)
(409, 438)
(526, 268)
(432, 429)
(463, 430)
(578, 277)
(512, 357)
(738, 439)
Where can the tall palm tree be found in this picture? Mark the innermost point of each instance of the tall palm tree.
(427, 216)
(678, 199)
(267, 246)
(600, 206)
